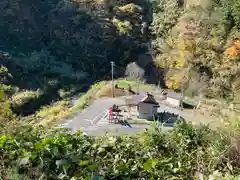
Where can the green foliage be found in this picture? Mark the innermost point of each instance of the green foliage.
(23, 97)
(123, 27)
(125, 83)
(165, 17)
(5, 110)
(84, 36)
(3, 74)
(179, 154)
(12, 173)
(65, 46)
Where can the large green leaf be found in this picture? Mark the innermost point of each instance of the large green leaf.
(84, 163)
(148, 165)
(3, 140)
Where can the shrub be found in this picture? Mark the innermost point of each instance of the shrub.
(5, 110)
(23, 97)
(124, 27)
(130, 8)
(181, 153)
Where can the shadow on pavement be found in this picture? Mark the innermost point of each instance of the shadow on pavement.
(124, 123)
(188, 106)
(168, 119)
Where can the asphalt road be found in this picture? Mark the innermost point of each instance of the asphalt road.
(114, 129)
(91, 115)
(90, 120)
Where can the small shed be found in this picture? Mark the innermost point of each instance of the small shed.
(145, 104)
(174, 99)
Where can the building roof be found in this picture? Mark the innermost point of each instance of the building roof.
(141, 98)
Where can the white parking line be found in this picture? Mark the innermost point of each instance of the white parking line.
(97, 117)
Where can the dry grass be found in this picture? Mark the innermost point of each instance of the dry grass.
(217, 108)
(88, 97)
(107, 92)
(20, 98)
(49, 115)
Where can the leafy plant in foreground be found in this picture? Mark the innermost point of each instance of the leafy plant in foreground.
(179, 154)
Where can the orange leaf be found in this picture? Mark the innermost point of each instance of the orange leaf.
(232, 51)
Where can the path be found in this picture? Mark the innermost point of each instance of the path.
(91, 115)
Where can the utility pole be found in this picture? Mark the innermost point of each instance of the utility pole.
(182, 94)
(112, 64)
(138, 86)
(138, 81)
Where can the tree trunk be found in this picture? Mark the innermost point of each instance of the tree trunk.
(199, 101)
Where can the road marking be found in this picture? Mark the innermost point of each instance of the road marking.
(98, 117)
(88, 120)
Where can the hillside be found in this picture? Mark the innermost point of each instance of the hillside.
(53, 50)
(198, 43)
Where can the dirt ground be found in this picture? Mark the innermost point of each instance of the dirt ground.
(107, 92)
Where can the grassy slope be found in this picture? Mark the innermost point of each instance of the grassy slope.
(123, 83)
(52, 114)
(87, 98)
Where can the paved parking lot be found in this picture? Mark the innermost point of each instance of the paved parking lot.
(90, 120)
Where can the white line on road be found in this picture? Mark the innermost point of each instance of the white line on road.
(97, 117)
(91, 121)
